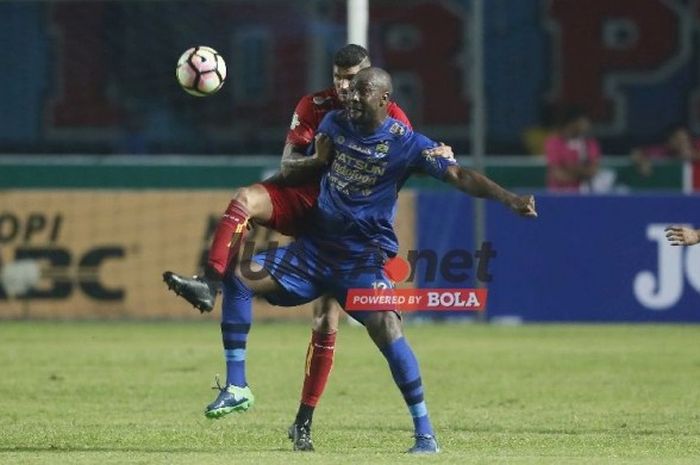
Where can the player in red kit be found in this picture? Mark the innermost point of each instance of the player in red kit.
(282, 203)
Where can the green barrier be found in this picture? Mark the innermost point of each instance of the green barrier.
(531, 173)
(105, 176)
(193, 172)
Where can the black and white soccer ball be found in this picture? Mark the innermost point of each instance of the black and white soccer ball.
(201, 71)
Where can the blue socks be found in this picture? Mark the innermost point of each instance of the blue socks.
(236, 317)
(404, 369)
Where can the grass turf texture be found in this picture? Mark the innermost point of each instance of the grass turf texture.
(128, 393)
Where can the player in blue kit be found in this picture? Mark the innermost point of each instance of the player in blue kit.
(350, 238)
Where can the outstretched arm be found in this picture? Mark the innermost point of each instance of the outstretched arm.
(476, 184)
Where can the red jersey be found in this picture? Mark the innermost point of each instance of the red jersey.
(313, 107)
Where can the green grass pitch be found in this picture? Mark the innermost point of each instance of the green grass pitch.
(134, 393)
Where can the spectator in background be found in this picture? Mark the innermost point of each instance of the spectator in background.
(678, 144)
(572, 155)
(534, 137)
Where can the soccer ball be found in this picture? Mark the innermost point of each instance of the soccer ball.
(201, 71)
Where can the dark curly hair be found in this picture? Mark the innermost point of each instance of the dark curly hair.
(350, 55)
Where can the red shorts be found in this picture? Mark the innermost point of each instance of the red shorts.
(291, 206)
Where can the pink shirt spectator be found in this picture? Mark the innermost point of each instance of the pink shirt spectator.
(562, 152)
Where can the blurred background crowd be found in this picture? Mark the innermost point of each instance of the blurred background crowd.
(563, 83)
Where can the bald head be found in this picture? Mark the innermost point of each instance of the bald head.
(377, 78)
(370, 93)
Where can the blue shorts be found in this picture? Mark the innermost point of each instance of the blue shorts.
(305, 273)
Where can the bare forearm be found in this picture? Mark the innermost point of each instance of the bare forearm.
(295, 162)
(476, 184)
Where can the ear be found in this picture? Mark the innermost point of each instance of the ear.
(385, 98)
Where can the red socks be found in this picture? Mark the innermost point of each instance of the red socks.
(319, 361)
(229, 236)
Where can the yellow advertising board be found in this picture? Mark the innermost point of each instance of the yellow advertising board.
(68, 254)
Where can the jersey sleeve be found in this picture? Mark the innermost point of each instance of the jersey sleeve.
(303, 125)
(432, 165)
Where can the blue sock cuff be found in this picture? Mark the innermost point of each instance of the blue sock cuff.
(235, 328)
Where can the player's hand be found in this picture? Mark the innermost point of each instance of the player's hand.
(680, 235)
(444, 151)
(324, 148)
(523, 205)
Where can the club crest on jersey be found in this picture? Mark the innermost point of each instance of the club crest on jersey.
(397, 129)
(382, 148)
(295, 121)
(340, 140)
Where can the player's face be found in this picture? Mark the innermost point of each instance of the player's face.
(341, 80)
(366, 102)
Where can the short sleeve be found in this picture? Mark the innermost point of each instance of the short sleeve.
(432, 165)
(303, 126)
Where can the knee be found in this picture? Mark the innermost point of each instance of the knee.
(245, 196)
(255, 200)
(326, 315)
(384, 328)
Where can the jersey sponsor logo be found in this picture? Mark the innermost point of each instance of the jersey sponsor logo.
(295, 121)
(359, 148)
(355, 175)
(411, 300)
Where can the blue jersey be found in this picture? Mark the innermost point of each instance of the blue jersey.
(357, 202)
